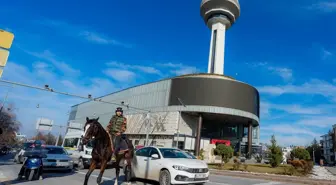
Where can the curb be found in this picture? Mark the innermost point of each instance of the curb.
(273, 177)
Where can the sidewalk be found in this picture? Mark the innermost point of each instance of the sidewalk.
(332, 170)
(272, 177)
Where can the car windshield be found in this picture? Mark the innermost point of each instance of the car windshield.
(56, 151)
(174, 153)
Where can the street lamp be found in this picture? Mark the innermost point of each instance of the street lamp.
(178, 122)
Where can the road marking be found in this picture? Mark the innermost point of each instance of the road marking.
(268, 183)
(105, 178)
(219, 183)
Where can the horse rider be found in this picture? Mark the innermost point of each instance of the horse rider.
(116, 127)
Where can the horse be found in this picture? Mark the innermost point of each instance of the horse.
(102, 151)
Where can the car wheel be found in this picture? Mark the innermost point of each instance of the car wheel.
(164, 178)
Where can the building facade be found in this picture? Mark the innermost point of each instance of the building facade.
(215, 107)
(328, 146)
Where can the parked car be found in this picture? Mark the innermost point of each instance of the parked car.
(169, 166)
(57, 159)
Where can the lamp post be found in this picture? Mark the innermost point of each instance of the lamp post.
(178, 122)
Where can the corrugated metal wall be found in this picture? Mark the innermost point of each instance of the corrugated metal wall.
(147, 96)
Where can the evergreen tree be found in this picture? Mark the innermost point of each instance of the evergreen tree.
(275, 153)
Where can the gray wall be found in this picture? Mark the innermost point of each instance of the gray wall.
(215, 92)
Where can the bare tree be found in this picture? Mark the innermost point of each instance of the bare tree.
(9, 126)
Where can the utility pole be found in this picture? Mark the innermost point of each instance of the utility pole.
(313, 155)
(178, 123)
(148, 124)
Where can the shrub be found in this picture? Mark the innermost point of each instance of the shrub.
(226, 152)
(201, 155)
(258, 158)
(236, 165)
(275, 153)
(245, 167)
(289, 170)
(300, 153)
(296, 164)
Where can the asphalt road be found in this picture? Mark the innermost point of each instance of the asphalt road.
(9, 170)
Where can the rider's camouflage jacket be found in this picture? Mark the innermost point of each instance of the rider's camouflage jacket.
(117, 124)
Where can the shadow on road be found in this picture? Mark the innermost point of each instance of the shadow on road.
(134, 181)
(46, 175)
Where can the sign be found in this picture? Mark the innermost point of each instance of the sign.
(3, 57)
(44, 124)
(6, 39)
(1, 71)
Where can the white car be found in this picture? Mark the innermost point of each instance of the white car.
(57, 159)
(169, 166)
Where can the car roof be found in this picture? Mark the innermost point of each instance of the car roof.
(52, 146)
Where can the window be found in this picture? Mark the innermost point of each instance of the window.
(174, 153)
(180, 145)
(153, 143)
(71, 142)
(136, 142)
(154, 151)
(56, 151)
(144, 152)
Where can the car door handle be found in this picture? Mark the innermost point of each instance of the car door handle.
(145, 159)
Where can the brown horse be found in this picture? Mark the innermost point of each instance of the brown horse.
(102, 151)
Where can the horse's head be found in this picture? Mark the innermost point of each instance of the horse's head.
(91, 130)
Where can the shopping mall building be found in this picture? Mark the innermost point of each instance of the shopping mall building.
(217, 109)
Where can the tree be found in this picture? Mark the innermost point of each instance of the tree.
(50, 139)
(300, 153)
(60, 140)
(226, 152)
(275, 153)
(9, 126)
(316, 149)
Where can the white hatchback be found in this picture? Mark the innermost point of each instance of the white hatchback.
(169, 166)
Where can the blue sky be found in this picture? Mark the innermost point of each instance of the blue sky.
(287, 49)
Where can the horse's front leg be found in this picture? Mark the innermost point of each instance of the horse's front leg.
(92, 167)
(102, 170)
(117, 169)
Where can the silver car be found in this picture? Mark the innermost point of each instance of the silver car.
(57, 159)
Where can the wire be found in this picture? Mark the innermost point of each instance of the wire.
(73, 95)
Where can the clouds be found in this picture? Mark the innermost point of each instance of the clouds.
(82, 32)
(179, 68)
(285, 73)
(326, 6)
(312, 87)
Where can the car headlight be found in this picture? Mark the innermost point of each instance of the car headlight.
(181, 168)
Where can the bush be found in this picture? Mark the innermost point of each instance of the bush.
(258, 158)
(296, 164)
(289, 170)
(300, 153)
(275, 153)
(226, 152)
(236, 165)
(201, 155)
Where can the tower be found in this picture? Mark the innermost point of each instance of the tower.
(218, 15)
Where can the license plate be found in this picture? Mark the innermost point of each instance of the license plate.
(62, 164)
(200, 176)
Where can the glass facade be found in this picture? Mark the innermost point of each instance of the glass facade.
(219, 130)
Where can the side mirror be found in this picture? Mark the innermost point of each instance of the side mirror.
(155, 156)
(69, 153)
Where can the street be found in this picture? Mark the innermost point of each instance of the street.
(8, 174)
